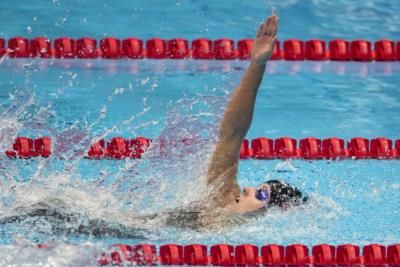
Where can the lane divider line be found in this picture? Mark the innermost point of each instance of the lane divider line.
(201, 48)
(376, 255)
(309, 148)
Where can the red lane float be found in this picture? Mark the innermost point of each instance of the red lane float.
(245, 151)
(250, 255)
(310, 148)
(144, 254)
(22, 147)
(293, 49)
(393, 255)
(138, 146)
(117, 148)
(272, 255)
(297, 255)
(156, 48)
(96, 150)
(120, 253)
(244, 48)
(178, 48)
(195, 254)
(385, 50)
(381, 148)
(374, 255)
(262, 148)
(3, 48)
(222, 255)
(333, 148)
(285, 147)
(86, 48)
(171, 254)
(18, 47)
(339, 50)
(224, 49)
(202, 48)
(398, 51)
(132, 48)
(358, 148)
(361, 50)
(41, 47)
(64, 48)
(110, 48)
(324, 255)
(397, 148)
(348, 255)
(246, 254)
(42, 147)
(315, 50)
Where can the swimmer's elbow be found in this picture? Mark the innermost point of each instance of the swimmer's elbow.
(236, 133)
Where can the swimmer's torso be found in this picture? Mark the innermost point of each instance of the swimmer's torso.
(54, 212)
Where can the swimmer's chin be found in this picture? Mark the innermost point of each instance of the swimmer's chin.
(231, 210)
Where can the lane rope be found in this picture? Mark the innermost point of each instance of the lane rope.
(202, 48)
(376, 255)
(309, 148)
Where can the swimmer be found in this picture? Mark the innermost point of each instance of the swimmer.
(224, 200)
(226, 205)
(221, 179)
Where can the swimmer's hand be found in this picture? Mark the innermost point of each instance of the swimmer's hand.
(264, 43)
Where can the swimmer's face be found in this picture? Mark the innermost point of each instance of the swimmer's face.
(247, 200)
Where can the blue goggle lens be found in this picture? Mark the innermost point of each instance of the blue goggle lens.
(262, 194)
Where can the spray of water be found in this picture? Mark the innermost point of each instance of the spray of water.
(170, 175)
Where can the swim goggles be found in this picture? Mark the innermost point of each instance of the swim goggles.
(262, 194)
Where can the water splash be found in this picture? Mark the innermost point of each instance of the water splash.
(23, 253)
(55, 184)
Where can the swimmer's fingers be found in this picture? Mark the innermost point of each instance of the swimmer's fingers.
(260, 30)
(273, 41)
(275, 25)
(271, 26)
(267, 26)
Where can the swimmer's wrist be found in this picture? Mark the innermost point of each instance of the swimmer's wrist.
(258, 63)
(259, 60)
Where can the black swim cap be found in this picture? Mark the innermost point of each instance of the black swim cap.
(283, 193)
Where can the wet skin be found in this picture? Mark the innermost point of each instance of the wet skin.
(247, 200)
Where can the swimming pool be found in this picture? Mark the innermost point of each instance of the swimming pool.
(76, 102)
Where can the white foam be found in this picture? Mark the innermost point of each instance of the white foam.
(23, 253)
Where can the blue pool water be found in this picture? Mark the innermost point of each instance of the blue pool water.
(77, 102)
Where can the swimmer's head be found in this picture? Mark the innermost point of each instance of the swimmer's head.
(284, 195)
(270, 193)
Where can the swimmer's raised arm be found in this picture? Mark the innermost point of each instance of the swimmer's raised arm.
(238, 116)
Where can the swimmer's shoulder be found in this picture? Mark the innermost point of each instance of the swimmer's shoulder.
(202, 219)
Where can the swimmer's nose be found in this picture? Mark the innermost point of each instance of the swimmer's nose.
(247, 190)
